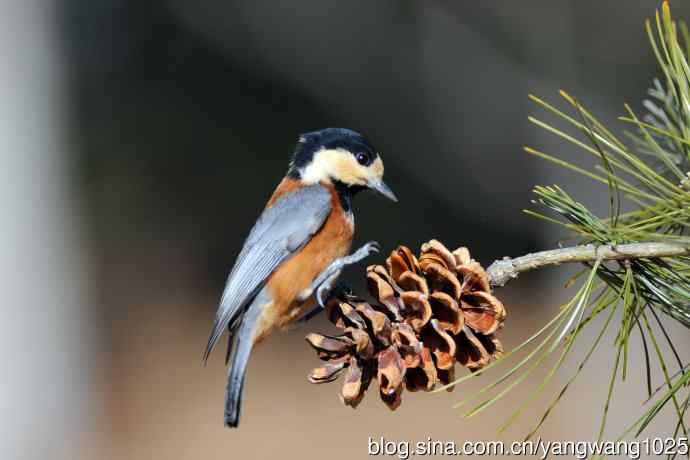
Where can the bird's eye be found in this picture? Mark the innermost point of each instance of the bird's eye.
(362, 158)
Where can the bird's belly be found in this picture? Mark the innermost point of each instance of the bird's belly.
(295, 276)
(280, 314)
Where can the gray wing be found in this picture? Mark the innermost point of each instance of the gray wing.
(281, 230)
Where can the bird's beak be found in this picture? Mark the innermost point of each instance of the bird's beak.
(381, 187)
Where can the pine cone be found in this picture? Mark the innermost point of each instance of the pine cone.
(433, 311)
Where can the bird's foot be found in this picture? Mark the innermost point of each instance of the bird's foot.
(324, 284)
(324, 288)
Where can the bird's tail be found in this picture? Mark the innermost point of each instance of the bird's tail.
(239, 357)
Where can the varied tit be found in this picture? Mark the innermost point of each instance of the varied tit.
(297, 248)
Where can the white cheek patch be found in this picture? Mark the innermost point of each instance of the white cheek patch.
(331, 163)
(319, 168)
(341, 165)
(312, 174)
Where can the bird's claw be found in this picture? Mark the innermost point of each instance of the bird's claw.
(323, 293)
(372, 247)
(324, 284)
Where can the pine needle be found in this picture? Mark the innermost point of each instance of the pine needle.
(651, 176)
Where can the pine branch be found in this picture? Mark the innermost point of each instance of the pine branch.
(502, 271)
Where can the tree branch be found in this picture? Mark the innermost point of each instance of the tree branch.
(502, 271)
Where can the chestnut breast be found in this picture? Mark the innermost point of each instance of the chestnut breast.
(296, 274)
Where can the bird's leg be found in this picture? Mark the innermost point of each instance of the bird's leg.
(323, 284)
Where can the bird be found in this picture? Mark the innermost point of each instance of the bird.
(293, 256)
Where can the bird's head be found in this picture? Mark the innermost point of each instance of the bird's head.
(341, 157)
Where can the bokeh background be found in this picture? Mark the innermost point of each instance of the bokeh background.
(140, 139)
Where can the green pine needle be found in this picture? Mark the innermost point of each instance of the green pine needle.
(652, 177)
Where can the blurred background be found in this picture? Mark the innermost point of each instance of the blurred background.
(139, 141)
